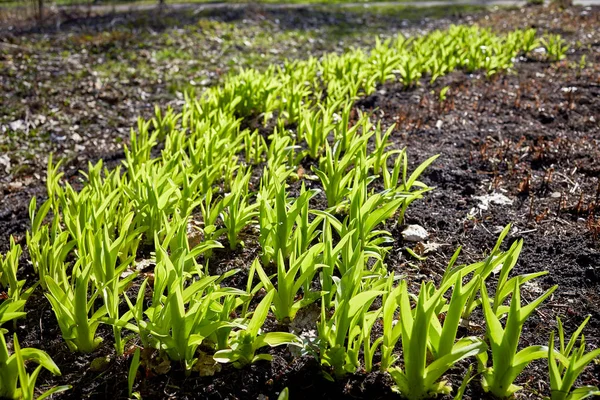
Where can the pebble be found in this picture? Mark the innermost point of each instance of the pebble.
(415, 233)
(18, 125)
(5, 162)
(495, 198)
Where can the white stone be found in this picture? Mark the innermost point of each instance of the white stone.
(18, 125)
(495, 198)
(5, 162)
(414, 233)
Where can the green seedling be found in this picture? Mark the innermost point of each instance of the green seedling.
(568, 363)
(341, 336)
(12, 307)
(420, 377)
(15, 382)
(292, 276)
(556, 47)
(247, 340)
(237, 211)
(73, 306)
(507, 361)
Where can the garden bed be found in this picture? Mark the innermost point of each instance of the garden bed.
(520, 147)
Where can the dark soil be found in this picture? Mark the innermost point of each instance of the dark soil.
(531, 134)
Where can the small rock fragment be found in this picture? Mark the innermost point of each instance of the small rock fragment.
(144, 264)
(14, 186)
(5, 162)
(569, 89)
(495, 198)
(414, 233)
(18, 125)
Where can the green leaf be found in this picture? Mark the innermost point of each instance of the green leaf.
(418, 171)
(226, 356)
(133, 368)
(54, 390)
(284, 395)
(584, 393)
(280, 338)
(260, 314)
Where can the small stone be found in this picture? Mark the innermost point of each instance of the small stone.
(5, 162)
(439, 124)
(144, 264)
(569, 89)
(18, 125)
(14, 186)
(76, 137)
(495, 198)
(414, 233)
